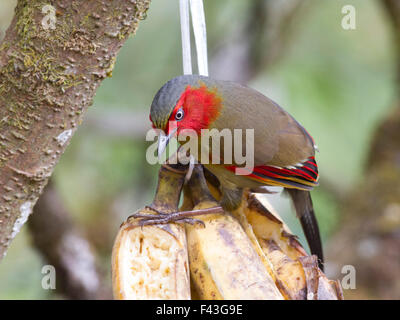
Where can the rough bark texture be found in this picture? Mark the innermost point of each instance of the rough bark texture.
(63, 245)
(370, 235)
(47, 80)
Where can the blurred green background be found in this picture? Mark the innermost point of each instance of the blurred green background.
(337, 83)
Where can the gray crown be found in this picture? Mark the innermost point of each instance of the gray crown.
(166, 98)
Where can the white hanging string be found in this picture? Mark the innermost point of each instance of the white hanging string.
(200, 35)
(185, 31)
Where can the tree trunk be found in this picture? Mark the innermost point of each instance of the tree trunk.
(48, 78)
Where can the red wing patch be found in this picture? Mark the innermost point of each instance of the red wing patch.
(303, 175)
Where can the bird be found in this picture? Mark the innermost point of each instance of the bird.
(284, 152)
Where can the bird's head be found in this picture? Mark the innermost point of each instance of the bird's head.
(185, 102)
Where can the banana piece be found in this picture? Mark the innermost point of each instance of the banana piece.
(223, 263)
(267, 225)
(150, 262)
(247, 254)
(295, 273)
(260, 221)
(319, 287)
(289, 274)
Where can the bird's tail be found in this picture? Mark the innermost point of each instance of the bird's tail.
(305, 212)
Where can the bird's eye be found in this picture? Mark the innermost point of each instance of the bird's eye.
(179, 115)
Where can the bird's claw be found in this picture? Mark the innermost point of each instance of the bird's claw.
(146, 216)
(178, 217)
(162, 218)
(147, 220)
(143, 215)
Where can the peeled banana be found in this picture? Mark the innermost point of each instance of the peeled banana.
(151, 262)
(223, 262)
(246, 254)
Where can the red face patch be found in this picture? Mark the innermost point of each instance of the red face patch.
(201, 107)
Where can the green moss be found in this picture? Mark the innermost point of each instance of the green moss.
(35, 66)
(4, 46)
(25, 24)
(110, 68)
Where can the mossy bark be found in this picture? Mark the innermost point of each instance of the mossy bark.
(48, 79)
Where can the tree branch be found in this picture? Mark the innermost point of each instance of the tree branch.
(63, 245)
(371, 212)
(258, 43)
(47, 81)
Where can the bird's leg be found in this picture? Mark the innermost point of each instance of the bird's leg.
(231, 197)
(179, 216)
(145, 215)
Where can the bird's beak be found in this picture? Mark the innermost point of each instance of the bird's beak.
(163, 141)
